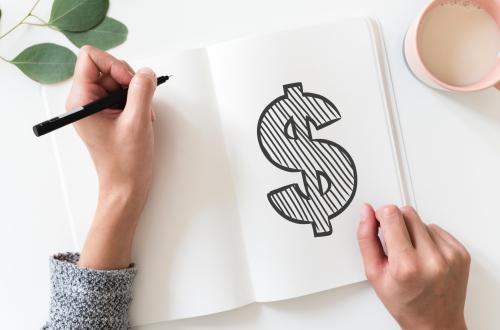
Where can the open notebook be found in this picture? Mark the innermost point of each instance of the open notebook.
(266, 147)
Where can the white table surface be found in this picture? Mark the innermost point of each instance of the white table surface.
(453, 146)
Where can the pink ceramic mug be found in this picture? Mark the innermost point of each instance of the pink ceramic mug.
(416, 65)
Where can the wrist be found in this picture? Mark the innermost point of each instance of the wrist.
(455, 324)
(122, 203)
(122, 192)
(130, 184)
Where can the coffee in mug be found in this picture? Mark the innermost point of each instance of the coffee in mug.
(455, 45)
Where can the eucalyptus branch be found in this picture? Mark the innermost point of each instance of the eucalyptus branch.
(34, 6)
(30, 13)
(39, 19)
(42, 23)
(34, 24)
(13, 28)
(81, 22)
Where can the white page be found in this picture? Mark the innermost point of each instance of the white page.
(336, 61)
(188, 245)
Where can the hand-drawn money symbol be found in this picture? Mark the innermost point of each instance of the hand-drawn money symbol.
(327, 169)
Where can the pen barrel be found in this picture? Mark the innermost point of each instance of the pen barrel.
(118, 98)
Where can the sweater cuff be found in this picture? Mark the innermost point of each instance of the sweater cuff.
(83, 298)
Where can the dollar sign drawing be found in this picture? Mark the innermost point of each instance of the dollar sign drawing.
(328, 171)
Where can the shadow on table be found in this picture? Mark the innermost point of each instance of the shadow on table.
(485, 103)
(483, 297)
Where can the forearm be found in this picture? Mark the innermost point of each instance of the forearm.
(92, 290)
(109, 240)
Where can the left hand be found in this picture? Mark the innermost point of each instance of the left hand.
(422, 280)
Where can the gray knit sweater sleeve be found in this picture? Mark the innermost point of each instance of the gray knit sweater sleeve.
(84, 298)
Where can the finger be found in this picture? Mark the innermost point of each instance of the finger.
(153, 115)
(451, 246)
(92, 62)
(394, 229)
(140, 95)
(109, 84)
(446, 236)
(83, 94)
(417, 230)
(130, 69)
(444, 247)
(369, 243)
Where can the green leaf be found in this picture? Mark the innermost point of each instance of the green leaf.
(77, 15)
(46, 63)
(108, 34)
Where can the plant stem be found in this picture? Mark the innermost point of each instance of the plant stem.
(34, 6)
(21, 22)
(34, 24)
(4, 59)
(13, 28)
(39, 18)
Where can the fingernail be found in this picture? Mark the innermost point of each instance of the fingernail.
(365, 209)
(390, 211)
(147, 71)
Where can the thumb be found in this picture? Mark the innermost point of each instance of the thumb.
(140, 95)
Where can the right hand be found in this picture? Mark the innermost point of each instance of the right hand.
(120, 142)
(422, 280)
(121, 146)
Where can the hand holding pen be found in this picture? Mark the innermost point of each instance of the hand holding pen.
(120, 143)
(117, 97)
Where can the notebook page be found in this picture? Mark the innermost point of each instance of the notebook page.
(337, 62)
(188, 244)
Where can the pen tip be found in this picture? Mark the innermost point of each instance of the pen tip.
(162, 79)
